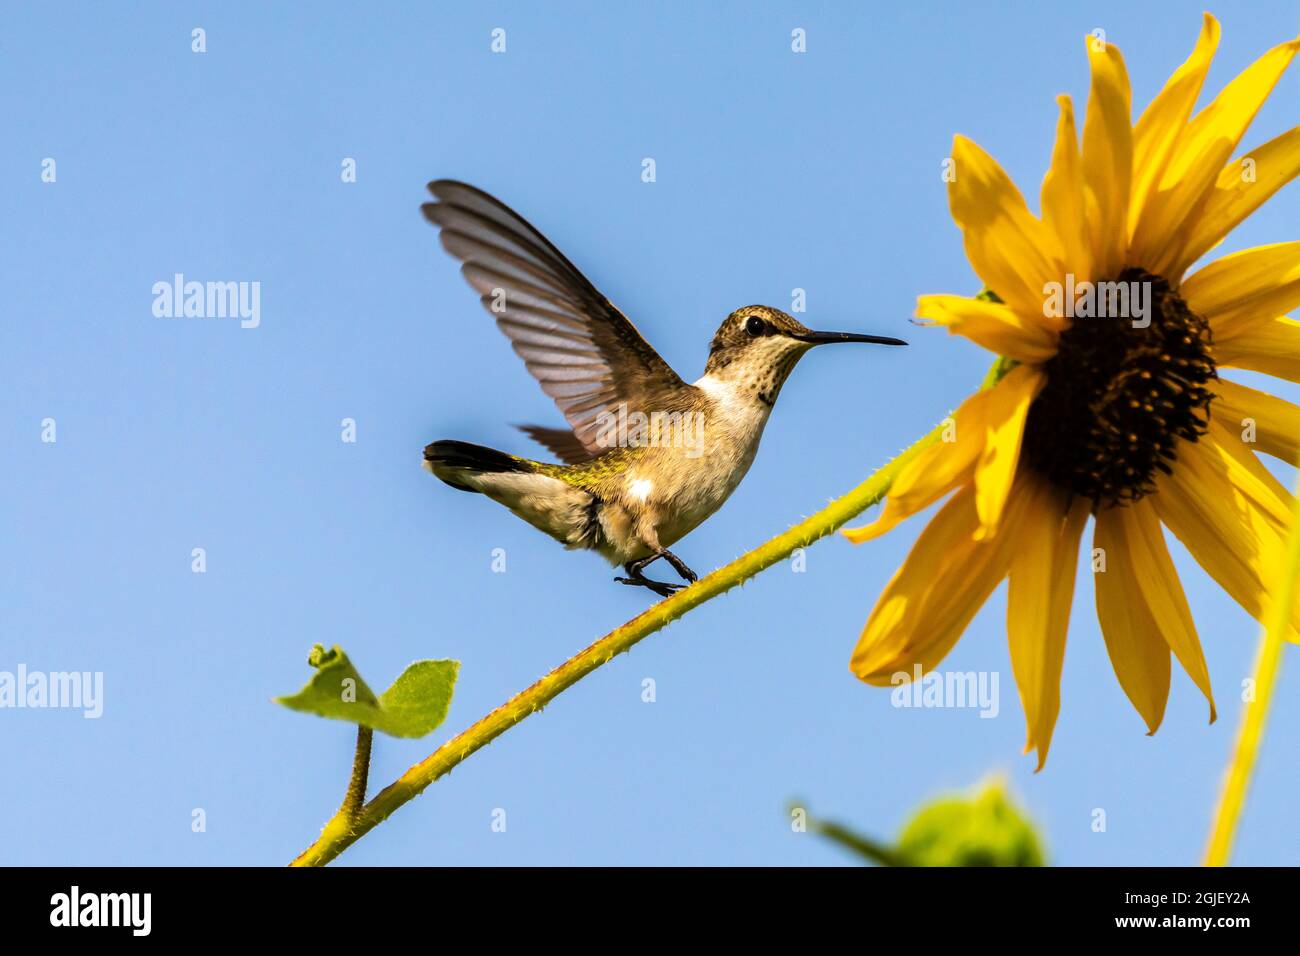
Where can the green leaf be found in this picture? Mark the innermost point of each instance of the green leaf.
(983, 829)
(413, 706)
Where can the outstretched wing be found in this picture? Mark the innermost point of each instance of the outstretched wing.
(585, 353)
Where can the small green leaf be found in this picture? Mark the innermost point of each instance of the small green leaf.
(414, 706)
(982, 829)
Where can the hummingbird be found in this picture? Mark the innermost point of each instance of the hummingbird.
(646, 457)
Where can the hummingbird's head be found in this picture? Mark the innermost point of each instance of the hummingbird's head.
(757, 346)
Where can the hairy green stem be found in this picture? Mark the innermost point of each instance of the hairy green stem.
(341, 832)
(356, 795)
(864, 846)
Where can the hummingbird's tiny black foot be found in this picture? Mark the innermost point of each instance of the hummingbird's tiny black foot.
(634, 568)
(679, 566)
(637, 578)
(662, 588)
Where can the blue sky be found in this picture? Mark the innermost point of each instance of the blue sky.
(774, 171)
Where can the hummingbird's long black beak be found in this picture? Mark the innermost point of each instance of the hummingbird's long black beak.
(827, 338)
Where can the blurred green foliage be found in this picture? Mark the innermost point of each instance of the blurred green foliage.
(981, 828)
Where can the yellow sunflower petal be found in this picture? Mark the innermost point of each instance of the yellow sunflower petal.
(1039, 595)
(1271, 347)
(990, 325)
(925, 607)
(1064, 207)
(1204, 147)
(1158, 581)
(1245, 289)
(996, 471)
(1160, 126)
(1272, 423)
(1011, 251)
(1243, 186)
(1236, 544)
(947, 464)
(1108, 157)
(936, 471)
(1239, 464)
(1131, 631)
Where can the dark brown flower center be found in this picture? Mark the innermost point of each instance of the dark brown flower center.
(1121, 391)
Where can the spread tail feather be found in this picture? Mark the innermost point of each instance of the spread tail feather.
(530, 489)
(458, 463)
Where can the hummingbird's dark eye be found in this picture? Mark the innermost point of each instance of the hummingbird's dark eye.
(755, 326)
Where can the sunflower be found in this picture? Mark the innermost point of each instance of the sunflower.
(1116, 411)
